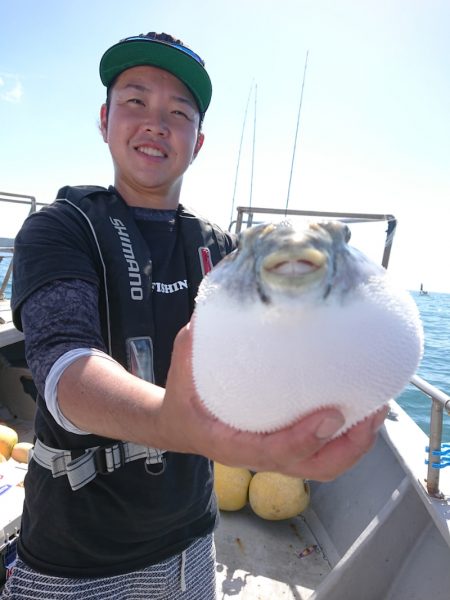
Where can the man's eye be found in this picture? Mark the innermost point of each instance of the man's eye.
(181, 113)
(135, 101)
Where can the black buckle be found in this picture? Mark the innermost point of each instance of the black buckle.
(156, 468)
(100, 458)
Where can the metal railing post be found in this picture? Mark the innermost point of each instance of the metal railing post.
(437, 413)
(6, 279)
(440, 402)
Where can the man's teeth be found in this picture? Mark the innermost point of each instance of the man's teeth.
(150, 151)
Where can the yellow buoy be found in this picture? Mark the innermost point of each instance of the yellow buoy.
(231, 486)
(8, 439)
(274, 497)
(21, 452)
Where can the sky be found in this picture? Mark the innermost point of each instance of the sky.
(374, 128)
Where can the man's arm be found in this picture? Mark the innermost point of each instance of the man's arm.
(98, 395)
(102, 397)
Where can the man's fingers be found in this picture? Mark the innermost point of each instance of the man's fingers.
(341, 453)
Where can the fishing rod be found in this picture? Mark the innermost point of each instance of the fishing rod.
(240, 149)
(253, 147)
(296, 131)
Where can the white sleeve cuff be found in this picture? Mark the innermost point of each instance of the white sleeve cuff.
(51, 385)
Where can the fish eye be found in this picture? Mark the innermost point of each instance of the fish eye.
(347, 233)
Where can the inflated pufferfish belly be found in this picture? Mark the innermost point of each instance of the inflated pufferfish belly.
(293, 321)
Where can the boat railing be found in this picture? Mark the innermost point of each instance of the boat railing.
(243, 221)
(19, 199)
(6, 277)
(440, 402)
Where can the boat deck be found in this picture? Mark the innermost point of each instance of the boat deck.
(374, 534)
(258, 559)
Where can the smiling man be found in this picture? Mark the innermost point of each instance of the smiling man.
(152, 126)
(119, 498)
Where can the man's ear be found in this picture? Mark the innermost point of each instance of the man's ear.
(104, 121)
(198, 145)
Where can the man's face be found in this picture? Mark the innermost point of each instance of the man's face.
(152, 129)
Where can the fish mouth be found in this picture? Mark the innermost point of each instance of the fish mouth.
(294, 269)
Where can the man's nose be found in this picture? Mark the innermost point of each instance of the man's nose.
(156, 123)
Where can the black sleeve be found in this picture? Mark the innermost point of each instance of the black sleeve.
(52, 244)
(231, 241)
(58, 317)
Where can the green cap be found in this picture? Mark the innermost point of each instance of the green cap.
(162, 51)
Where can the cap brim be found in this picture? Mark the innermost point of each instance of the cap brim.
(127, 54)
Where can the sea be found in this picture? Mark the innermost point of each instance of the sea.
(434, 310)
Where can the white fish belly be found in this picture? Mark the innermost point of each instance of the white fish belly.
(259, 368)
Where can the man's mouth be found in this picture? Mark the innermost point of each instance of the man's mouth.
(150, 151)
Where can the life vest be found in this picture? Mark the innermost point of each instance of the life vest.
(124, 267)
(124, 262)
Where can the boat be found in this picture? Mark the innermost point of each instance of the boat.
(422, 292)
(381, 531)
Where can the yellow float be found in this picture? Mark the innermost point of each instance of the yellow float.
(231, 486)
(21, 452)
(274, 497)
(8, 439)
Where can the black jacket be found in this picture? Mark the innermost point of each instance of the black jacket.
(128, 519)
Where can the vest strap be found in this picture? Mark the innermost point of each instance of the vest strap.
(100, 460)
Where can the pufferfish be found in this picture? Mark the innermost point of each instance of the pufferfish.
(295, 320)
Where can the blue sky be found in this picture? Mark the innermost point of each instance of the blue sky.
(374, 132)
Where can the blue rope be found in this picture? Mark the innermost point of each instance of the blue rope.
(444, 453)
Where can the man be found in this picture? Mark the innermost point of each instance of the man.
(119, 500)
